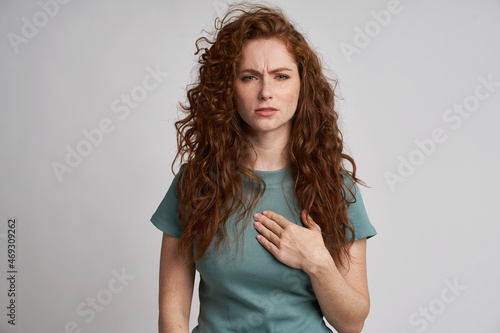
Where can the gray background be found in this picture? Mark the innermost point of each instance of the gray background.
(77, 231)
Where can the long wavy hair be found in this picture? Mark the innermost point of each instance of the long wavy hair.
(213, 144)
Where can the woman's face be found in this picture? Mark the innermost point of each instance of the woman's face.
(267, 87)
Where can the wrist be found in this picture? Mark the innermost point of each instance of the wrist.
(321, 264)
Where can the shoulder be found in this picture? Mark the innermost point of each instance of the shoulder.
(356, 212)
(349, 187)
(180, 173)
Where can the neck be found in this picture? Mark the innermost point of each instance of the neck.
(268, 151)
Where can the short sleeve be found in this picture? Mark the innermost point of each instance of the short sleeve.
(165, 217)
(358, 218)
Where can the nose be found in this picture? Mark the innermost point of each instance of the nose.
(265, 92)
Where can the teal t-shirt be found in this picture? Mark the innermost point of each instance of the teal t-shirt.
(254, 292)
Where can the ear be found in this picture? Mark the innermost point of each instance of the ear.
(308, 221)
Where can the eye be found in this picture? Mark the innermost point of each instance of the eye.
(248, 78)
(282, 77)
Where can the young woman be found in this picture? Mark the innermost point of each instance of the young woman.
(263, 205)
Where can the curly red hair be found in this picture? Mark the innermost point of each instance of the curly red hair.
(211, 138)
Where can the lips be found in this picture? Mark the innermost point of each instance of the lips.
(266, 111)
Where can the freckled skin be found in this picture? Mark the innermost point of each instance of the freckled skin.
(257, 85)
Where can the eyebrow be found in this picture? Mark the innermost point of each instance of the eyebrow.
(280, 69)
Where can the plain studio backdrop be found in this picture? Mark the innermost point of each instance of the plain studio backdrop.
(89, 95)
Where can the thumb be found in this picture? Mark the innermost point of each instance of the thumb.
(308, 221)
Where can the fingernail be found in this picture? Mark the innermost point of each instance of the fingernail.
(256, 224)
(265, 212)
(256, 216)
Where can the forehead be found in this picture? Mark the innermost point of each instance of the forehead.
(266, 52)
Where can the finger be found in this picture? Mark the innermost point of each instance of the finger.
(269, 224)
(308, 221)
(267, 245)
(280, 220)
(268, 234)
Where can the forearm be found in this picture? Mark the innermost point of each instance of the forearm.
(173, 323)
(175, 288)
(174, 313)
(344, 307)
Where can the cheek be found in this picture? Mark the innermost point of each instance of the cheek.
(294, 93)
(242, 97)
(240, 102)
(237, 94)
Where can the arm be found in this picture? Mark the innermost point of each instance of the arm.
(176, 288)
(343, 294)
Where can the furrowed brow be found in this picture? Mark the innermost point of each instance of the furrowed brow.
(253, 71)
